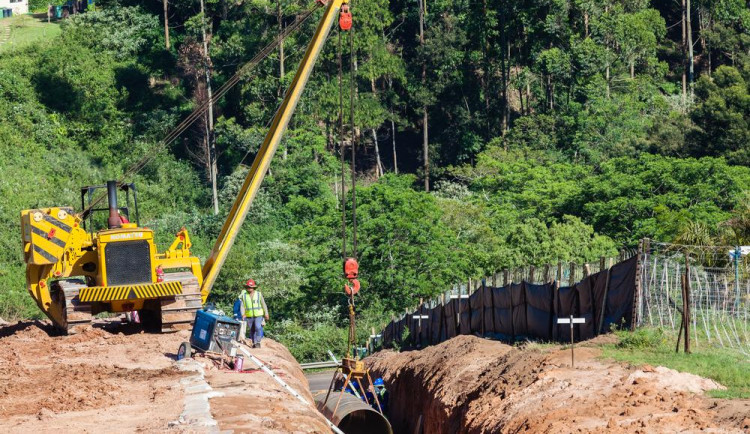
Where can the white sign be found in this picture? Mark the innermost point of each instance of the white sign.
(461, 296)
(744, 251)
(420, 316)
(567, 320)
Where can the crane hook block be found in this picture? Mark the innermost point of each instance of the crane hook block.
(354, 289)
(345, 18)
(351, 268)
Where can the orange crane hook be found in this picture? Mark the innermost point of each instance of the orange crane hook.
(345, 18)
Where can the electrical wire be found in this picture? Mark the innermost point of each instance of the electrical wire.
(198, 112)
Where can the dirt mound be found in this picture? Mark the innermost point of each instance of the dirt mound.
(472, 385)
(115, 378)
(82, 383)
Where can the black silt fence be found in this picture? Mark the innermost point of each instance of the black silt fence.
(526, 310)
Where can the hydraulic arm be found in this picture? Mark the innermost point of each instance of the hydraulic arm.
(271, 142)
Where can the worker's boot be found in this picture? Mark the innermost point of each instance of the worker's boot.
(257, 345)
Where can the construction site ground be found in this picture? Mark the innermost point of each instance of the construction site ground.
(119, 379)
(473, 385)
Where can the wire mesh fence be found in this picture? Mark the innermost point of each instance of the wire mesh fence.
(717, 279)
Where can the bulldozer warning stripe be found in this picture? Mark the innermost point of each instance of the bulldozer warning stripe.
(129, 292)
(51, 258)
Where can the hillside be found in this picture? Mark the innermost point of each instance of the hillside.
(556, 131)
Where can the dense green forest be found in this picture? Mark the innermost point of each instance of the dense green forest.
(489, 134)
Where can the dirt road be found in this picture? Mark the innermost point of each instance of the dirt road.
(472, 385)
(117, 379)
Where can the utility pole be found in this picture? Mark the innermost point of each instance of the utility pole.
(166, 23)
(210, 124)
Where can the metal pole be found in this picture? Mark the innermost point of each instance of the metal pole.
(572, 353)
(737, 253)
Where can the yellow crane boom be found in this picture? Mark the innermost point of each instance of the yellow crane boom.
(74, 273)
(271, 142)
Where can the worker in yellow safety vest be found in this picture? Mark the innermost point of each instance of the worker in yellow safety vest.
(254, 310)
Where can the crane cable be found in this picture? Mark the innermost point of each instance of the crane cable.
(353, 140)
(198, 111)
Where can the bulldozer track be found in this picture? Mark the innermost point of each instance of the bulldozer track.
(178, 311)
(76, 314)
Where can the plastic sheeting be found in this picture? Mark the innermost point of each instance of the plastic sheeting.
(503, 313)
(618, 307)
(464, 315)
(518, 299)
(488, 317)
(584, 290)
(526, 310)
(436, 324)
(566, 304)
(476, 311)
(449, 319)
(539, 306)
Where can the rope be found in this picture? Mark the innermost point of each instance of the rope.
(341, 151)
(198, 112)
(352, 88)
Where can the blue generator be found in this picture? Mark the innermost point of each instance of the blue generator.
(212, 332)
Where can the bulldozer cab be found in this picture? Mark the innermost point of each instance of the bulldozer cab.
(96, 219)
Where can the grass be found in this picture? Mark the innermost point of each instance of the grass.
(656, 347)
(25, 30)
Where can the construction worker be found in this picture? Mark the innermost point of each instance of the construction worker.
(123, 219)
(253, 311)
(382, 393)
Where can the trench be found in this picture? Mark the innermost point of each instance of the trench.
(441, 390)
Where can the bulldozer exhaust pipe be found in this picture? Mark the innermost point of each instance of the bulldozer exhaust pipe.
(114, 218)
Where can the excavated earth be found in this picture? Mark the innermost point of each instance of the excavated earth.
(473, 385)
(116, 379)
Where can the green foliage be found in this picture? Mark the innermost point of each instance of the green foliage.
(723, 116)
(641, 339)
(557, 132)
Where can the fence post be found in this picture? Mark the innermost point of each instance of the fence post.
(602, 263)
(505, 277)
(559, 271)
(531, 273)
(481, 304)
(572, 279)
(494, 280)
(604, 303)
(635, 317)
(686, 303)
(586, 270)
(546, 273)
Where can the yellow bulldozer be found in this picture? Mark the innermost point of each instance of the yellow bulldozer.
(76, 269)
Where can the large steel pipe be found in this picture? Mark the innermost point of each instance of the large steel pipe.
(352, 416)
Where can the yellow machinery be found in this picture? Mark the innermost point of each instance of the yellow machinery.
(74, 273)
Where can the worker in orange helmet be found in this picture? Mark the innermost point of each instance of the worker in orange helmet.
(254, 310)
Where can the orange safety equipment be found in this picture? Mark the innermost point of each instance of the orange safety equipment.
(351, 268)
(250, 284)
(352, 290)
(345, 18)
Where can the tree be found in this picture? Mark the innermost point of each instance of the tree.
(722, 116)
